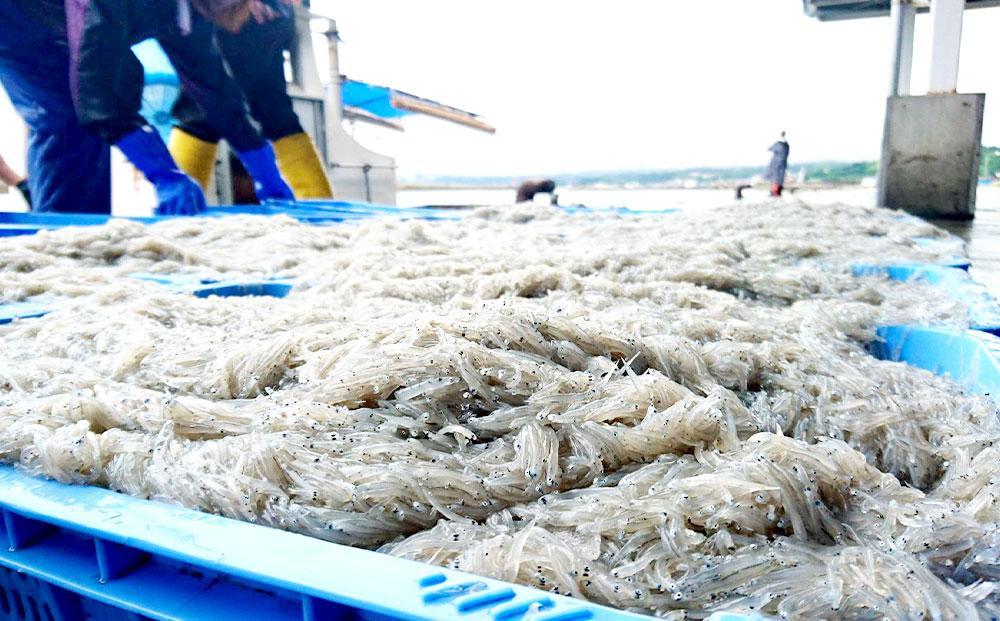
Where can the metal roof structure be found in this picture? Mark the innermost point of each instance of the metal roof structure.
(832, 10)
(388, 103)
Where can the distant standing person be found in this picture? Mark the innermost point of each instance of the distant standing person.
(527, 190)
(779, 163)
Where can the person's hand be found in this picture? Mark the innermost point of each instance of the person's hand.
(263, 167)
(178, 195)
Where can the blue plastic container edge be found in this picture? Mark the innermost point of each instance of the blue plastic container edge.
(21, 310)
(319, 212)
(984, 310)
(969, 357)
(163, 561)
(140, 556)
(206, 287)
(276, 288)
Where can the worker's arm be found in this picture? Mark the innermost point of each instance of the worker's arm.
(107, 81)
(106, 77)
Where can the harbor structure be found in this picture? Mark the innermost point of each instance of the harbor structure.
(931, 142)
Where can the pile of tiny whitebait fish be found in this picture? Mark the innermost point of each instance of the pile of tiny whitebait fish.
(670, 414)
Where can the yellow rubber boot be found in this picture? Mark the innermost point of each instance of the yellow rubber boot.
(301, 167)
(194, 156)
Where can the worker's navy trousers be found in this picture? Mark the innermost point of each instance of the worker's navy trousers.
(69, 167)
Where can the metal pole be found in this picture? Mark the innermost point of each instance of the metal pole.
(904, 17)
(896, 22)
(908, 18)
(947, 45)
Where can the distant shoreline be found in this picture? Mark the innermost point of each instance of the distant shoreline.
(721, 185)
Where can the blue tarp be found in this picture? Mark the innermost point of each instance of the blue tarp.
(389, 103)
(161, 89)
(156, 64)
(371, 98)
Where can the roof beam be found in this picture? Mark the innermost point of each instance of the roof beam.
(404, 101)
(903, 17)
(833, 10)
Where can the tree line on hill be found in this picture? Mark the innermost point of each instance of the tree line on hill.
(823, 172)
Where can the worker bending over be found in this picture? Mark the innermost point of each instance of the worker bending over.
(526, 191)
(255, 56)
(69, 166)
(107, 79)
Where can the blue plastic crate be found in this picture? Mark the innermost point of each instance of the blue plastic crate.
(354, 210)
(984, 311)
(207, 287)
(85, 548)
(198, 287)
(85, 552)
(16, 230)
(970, 357)
(21, 310)
(946, 244)
(82, 552)
(271, 288)
(13, 224)
(28, 223)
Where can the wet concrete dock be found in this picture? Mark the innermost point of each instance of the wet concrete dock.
(982, 238)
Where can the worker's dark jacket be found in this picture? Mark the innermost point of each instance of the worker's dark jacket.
(779, 162)
(256, 58)
(107, 78)
(69, 166)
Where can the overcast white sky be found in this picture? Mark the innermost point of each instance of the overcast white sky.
(594, 85)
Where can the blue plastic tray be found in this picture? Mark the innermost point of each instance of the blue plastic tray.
(14, 224)
(311, 212)
(77, 552)
(57, 220)
(88, 550)
(970, 357)
(207, 287)
(943, 245)
(73, 552)
(369, 210)
(21, 310)
(198, 287)
(984, 311)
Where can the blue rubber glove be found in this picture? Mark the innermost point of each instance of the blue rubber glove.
(263, 167)
(177, 193)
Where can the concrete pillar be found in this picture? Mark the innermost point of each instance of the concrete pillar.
(946, 46)
(902, 16)
(931, 144)
(930, 154)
